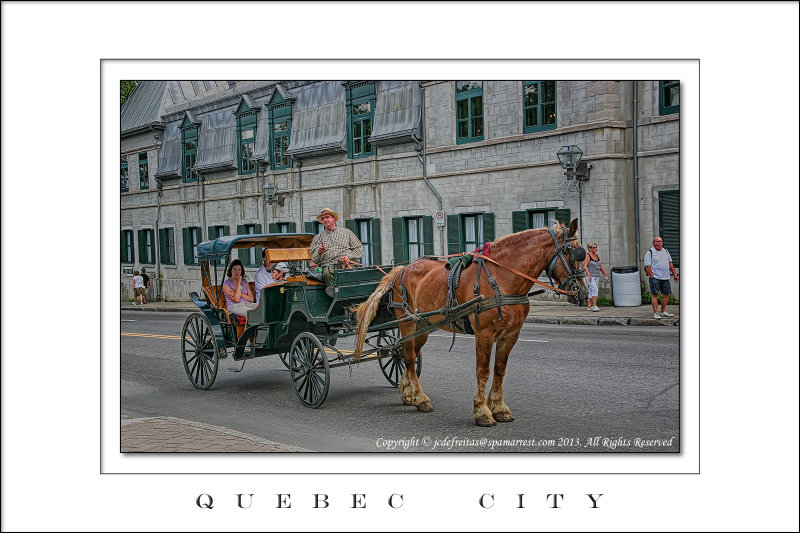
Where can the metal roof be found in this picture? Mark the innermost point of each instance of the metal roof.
(144, 107)
(397, 111)
(222, 246)
(319, 120)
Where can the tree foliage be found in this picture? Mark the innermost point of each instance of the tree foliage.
(126, 87)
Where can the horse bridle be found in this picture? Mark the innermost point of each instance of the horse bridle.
(577, 253)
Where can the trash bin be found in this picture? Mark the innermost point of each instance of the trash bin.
(625, 287)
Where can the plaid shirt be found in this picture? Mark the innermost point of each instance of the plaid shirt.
(339, 242)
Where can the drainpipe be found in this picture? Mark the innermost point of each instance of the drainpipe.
(300, 191)
(202, 207)
(158, 244)
(421, 155)
(636, 168)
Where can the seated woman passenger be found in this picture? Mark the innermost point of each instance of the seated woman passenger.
(237, 296)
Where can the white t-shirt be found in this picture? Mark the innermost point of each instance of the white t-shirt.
(138, 282)
(658, 262)
(263, 278)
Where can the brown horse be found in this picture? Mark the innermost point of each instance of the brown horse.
(424, 280)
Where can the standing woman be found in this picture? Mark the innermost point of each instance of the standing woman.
(593, 270)
(237, 296)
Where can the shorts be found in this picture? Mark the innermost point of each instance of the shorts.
(593, 287)
(660, 286)
(139, 291)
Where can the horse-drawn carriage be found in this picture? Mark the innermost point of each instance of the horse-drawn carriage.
(295, 318)
(396, 311)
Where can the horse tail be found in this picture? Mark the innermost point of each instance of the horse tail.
(369, 308)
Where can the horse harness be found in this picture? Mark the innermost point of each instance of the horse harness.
(575, 254)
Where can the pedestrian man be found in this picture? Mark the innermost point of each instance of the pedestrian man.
(146, 281)
(333, 245)
(658, 265)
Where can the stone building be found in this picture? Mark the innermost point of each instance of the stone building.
(229, 157)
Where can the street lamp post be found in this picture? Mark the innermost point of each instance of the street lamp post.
(575, 172)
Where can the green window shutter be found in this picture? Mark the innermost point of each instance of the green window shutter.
(427, 235)
(187, 246)
(488, 227)
(225, 231)
(563, 215)
(351, 225)
(309, 227)
(122, 246)
(162, 245)
(453, 234)
(375, 228)
(669, 220)
(272, 227)
(140, 235)
(241, 230)
(399, 240)
(212, 233)
(519, 221)
(292, 227)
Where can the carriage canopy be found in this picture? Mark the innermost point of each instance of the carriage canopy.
(221, 247)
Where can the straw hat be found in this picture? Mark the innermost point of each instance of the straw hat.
(326, 211)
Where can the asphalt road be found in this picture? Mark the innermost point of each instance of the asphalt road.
(570, 388)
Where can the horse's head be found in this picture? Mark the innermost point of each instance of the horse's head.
(574, 254)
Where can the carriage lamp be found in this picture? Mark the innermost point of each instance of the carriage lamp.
(270, 190)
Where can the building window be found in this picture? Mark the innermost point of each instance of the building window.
(280, 131)
(668, 98)
(314, 227)
(360, 114)
(468, 231)
(469, 111)
(282, 227)
(669, 223)
(166, 244)
(126, 246)
(369, 231)
(215, 232)
(144, 177)
(189, 149)
(191, 238)
(123, 174)
(250, 257)
(147, 246)
(415, 242)
(539, 105)
(246, 128)
(538, 218)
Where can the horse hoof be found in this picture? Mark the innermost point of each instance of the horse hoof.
(485, 421)
(425, 407)
(503, 417)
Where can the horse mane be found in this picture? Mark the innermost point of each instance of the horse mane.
(498, 244)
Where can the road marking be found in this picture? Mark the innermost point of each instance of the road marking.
(150, 335)
(473, 336)
(126, 320)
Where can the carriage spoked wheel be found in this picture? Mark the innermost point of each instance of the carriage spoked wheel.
(393, 366)
(199, 351)
(284, 359)
(308, 367)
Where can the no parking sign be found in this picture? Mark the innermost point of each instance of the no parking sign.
(439, 218)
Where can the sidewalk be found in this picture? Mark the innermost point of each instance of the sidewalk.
(166, 434)
(541, 312)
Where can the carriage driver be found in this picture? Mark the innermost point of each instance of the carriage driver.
(334, 244)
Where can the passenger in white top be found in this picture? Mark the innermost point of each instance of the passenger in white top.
(263, 276)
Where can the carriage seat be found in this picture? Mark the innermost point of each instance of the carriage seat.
(221, 304)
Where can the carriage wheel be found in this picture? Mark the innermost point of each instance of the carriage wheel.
(199, 351)
(284, 359)
(394, 366)
(308, 367)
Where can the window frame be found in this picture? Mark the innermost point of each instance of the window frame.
(254, 253)
(195, 236)
(126, 246)
(539, 126)
(663, 88)
(420, 244)
(166, 245)
(280, 112)
(144, 172)
(147, 251)
(357, 94)
(123, 174)
(478, 227)
(469, 96)
(189, 133)
(246, 120)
